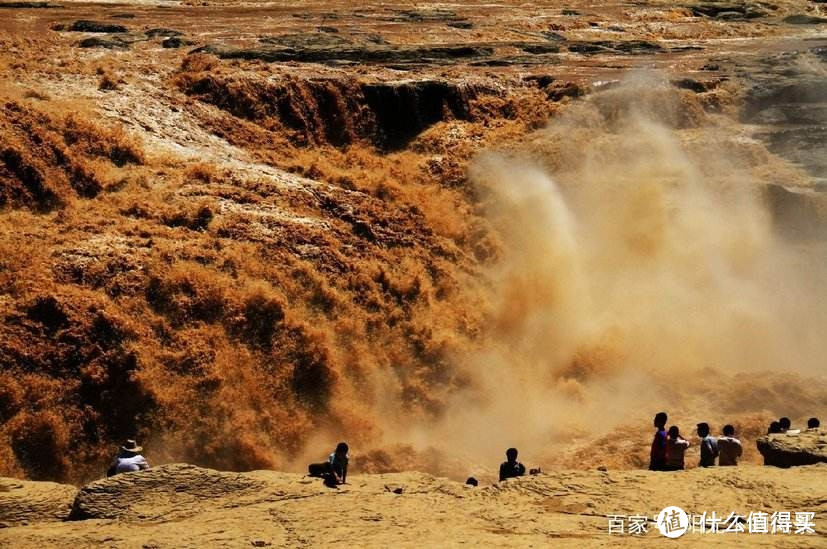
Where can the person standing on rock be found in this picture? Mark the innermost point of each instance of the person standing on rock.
(657, 456)
(129, 459)
(729, 447)
(511, 467)
(709, 446)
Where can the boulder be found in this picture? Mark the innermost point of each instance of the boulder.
(789, 450)
(183, 489)
(25, 502)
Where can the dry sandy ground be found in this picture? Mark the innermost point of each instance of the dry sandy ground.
(205, 508)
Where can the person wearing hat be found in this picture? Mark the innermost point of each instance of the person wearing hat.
(129, 459)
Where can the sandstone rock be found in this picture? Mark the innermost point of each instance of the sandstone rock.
(24, 502)
(805, 448)
(135, 496)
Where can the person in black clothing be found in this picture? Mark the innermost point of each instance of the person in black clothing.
(511, 468)
(813, 423)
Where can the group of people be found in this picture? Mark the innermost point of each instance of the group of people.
(667, 453)
(784, 426)
(668, 447)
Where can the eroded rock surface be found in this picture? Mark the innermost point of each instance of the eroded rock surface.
(783, 450)
(183, 488)
(25, 502)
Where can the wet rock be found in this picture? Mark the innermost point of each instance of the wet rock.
(783, 450)
(631, 47)
(800, 214)
(403, 109)
(541, 48)
(374, 53)
(696, 86)
(23, 5)
(718, 9)
(427, 16)
(553, 36)
(84, 25)
(154, 33)
(800, 19)
(114, 41)
(176, 42)
(132, 495)
(306, 40)
(23, 502)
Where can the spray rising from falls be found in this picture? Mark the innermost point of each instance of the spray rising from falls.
(640, 272)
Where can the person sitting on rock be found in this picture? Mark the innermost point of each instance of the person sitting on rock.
(709, 446)
(129, 459)
(334, 470)
(676, 445)
(813, 424)
(657, 456)
(338, 462)
(774, 429)
(729, 447)
(511, 467)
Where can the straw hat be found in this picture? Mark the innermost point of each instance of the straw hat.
(131, 446)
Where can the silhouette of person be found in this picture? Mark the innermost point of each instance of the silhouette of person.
(511, 467)
(774, 429)
(709, 446)
(785, 424)
(657, 456)
(813, 424)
